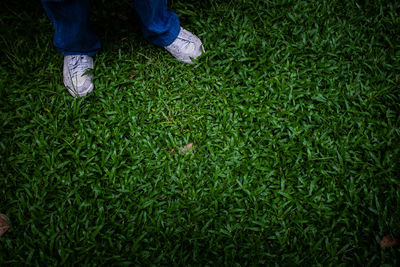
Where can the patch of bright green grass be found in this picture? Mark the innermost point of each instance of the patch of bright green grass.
(293, 111)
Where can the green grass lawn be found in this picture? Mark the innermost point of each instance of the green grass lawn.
(294, 112)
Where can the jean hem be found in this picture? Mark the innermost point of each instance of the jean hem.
(167, 40)
(68, 53)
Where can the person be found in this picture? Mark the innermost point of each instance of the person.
(76, 41)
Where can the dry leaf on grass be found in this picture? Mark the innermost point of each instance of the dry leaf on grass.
(183, 149)
(389, 241)
(3, 224)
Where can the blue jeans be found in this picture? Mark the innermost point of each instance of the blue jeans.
(74, 35)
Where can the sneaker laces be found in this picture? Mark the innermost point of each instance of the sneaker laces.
(184, 41)
(184, 44)
(78, 64)
(187, 43)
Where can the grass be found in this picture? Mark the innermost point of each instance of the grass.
(294, 112)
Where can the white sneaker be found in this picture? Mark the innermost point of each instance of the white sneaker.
(77, 83)
(185, 47)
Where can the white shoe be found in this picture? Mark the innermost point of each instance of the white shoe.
(185, 47)
(77, 83)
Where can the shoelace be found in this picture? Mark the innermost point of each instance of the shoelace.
(184, 43)
(78, 64)
(183, 40)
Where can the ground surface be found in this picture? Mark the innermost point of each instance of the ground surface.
(294, 112)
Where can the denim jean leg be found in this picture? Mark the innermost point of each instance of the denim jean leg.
(73, 33)
(159, 24)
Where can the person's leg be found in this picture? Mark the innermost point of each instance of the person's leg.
(161, 27)
(73, 33)
(159, 24)
(75, 40)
